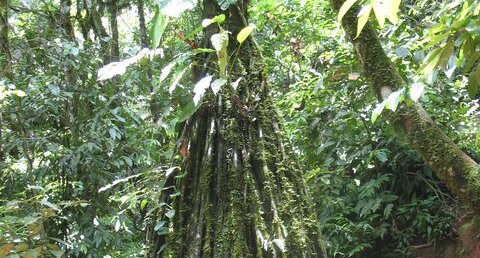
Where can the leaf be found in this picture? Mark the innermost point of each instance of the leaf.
(280, 243)
(220, 43)
(57, 253)
(416, 91)
(217, 19)
(344, 9)
(431, 61)
(377, 111)
(170, 213)
(473, 86)
(200, 88)
(235, 83)
(113, 133)
(379, 8)
(159, 23)
(45, 202)
(388, 210)
(170, 171)
(117, 225)
(224, 4)
(217, 85)
(174, 8)
(393, 100)
(177, 77)
(392, 10)
(187, 111)
(447, 52)
(159, 225)
(119, 68)
(244, 33)
(363, 18)
(18, 93)
(143, 204)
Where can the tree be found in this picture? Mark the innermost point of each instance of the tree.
(242, 193)
(455, 168)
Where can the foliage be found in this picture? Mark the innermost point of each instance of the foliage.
(89, 146)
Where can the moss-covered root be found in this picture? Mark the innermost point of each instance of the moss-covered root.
(456, 169)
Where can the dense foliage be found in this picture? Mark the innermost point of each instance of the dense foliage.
(84, 160)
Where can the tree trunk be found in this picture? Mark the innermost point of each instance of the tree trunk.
(454, 168)
(243, 194)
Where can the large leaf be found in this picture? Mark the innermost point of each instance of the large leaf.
(344, 8)
(200, 88)
(158, 25)
(220, 43)
(473, 86)
(118, 68)
(224, 4)
(416, 91)
(174, 8)
(363, 18)
(245, 32)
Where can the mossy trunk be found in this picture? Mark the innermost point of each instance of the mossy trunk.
(242, 194)
(454, 168)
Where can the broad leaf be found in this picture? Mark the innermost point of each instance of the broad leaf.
(378, 110)
(393, 100)
(244, 33)
(217, 85)
(220, 43)
(158, 25)
(473, 86)
(174, 8)
(344, 9)
(200, 88)
(416, 91)
(363, 18)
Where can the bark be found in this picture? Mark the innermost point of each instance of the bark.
(242, 194)
(114, 47)
(451, 165)
(141, 23)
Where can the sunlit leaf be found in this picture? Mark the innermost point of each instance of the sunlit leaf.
(244, 33)
(217, 19)
(200, 88)
(170, 213)
(377, 111)
(363, 18)
(235, 83)
(174, 8)
(217, 85)
(393, 100)
(379, 9)
(220, 43)
(280, 243)
(344, 8)
(416, 91)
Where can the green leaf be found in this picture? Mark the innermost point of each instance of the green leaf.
(224, 4)
(177, 77)
(244, 33)
(447, 52)
(200, 88)
(431, 61)
(392, 10)
(377, 111)
(344, 9)
(220, 43)
(473, 86)
(170, 213)
(363, 18)
(217, 19)
(416, 91)
(143, 204)
(158, 25)
(217, 85)
(187, 111)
